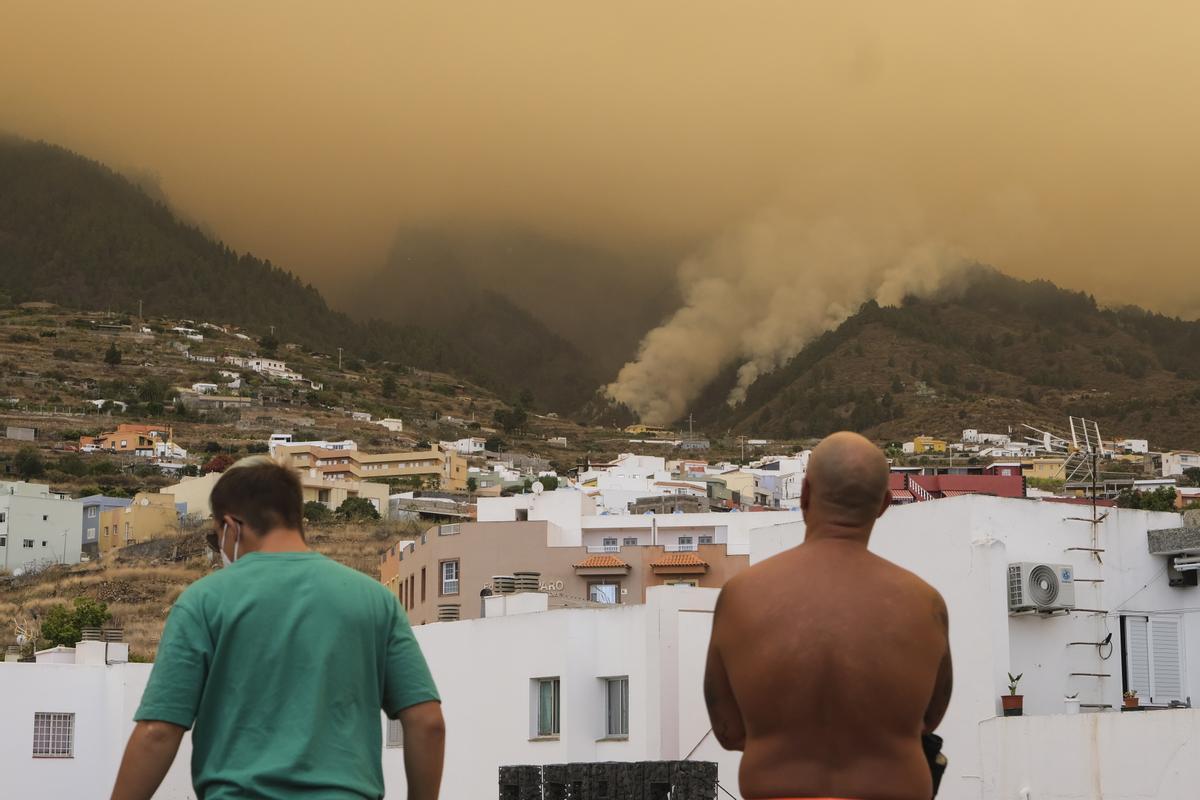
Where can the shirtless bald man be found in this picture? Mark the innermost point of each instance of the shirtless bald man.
(827, 662)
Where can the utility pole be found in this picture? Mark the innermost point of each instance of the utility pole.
(139, 310)
(742, 439)
(691, 433)
(339, 359)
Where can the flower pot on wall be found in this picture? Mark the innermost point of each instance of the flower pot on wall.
(1013, 704)
(1131, 702)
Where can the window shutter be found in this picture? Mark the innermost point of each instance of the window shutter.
(1137, 655)
(1166, 668)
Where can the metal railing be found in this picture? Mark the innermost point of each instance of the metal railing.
(604, 548)
(679, 548)
(450, 530)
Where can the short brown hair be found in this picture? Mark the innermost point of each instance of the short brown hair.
(262, 492)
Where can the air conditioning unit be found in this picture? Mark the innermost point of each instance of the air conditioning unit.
(1040, 587)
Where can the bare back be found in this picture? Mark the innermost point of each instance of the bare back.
(833, 656)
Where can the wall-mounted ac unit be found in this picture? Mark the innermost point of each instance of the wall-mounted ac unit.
(1040, 587)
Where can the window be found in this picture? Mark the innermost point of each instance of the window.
(3, 541)
(53, 735)
(45, 517)
(27, 543)
(395, 733)
(617, 707)
(630, 541)
(2, 516)
(604, 592)
(1152, 650)
(92, 512)
(422, 584)
(450, 577)
(547, 706)
(706, 540)
(522, 515)
(682, 582)
(43, 542)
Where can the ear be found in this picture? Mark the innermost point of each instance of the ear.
(805, 495)
(887, 503)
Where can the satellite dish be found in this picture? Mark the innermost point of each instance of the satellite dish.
(537, 487)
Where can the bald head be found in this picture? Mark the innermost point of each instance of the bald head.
(847, 481)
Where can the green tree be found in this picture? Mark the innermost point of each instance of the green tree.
(154, 390)
(28, 463)
(1191, 476)
(513, 420)
(472, 484)
(112, 356)
(525, 399)
(549, 482)
(357, 509)
(388, 389)
(63, 626)
(1161, 499)
(269, 345)
(316, 512)
(494, 444)
(72, 464)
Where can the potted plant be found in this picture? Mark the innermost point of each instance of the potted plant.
(1072, 701)
(1013, 703)
(1131, 699)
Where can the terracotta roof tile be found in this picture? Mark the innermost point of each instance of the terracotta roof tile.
(685, 559)
(600, 561)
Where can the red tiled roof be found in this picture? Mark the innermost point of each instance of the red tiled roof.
(685, 559)
(600, 561)
(901, 494)
(956, 493)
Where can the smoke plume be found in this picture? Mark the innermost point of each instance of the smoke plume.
(761, 292)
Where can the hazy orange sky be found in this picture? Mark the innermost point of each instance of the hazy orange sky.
(1050, 139)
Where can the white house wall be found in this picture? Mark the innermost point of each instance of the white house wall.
(962, 546)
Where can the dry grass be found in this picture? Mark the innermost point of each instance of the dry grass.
(139, 594)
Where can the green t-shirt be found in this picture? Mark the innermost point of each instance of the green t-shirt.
(283, 662)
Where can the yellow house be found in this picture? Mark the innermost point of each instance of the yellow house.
(928, 444)
(149, 516)
(1044, 468)
(639, 430)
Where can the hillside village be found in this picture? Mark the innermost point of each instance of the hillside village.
(478, 510)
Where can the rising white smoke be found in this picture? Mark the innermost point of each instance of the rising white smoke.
(763, 291)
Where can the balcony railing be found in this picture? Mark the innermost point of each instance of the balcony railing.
(450, 530)
(604, 548)
(679, 548)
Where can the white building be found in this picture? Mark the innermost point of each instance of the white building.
(38, 526)
(1140, 446)
(469, 446)
(392, 424)
(1174, 463)
(204, 388)
(964, 547)
(973, 436)
(574, 521)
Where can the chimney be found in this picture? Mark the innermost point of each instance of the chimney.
(503, 584)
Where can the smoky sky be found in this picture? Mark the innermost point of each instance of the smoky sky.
(1052, 140)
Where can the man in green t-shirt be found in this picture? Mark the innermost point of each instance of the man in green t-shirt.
(282, 661)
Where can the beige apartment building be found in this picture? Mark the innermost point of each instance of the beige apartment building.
(447, 470)
(445, 572)
(194, 493)
(148, 516)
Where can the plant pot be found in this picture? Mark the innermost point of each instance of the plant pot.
(1072, 706)
(1131, 702)
(1013, 704)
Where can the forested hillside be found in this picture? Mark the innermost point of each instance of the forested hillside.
(78, 234)
(1004, 352)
